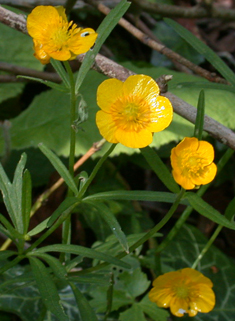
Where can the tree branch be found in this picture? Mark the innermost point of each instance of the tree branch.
(186, 12)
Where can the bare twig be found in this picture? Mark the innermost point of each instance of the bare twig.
(18, 70)
(112, 69)
(186, 12)
(159, 47)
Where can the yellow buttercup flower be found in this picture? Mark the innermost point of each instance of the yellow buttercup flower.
(55, 37)
(183, 291)
(192, 163)
(132, 111)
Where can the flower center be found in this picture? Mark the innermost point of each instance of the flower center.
(193, 164)
(181, 291)
(62, 32)
(131, 113)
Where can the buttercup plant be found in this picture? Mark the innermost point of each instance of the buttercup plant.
(128, 112)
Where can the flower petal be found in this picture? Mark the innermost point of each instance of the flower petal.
(141, 85)
(161, 114)
(188, 143)
(206, 151)
(83, 41)
(106, 126)
(134, 139)
(207, 176)
(39, 20)
(182, 180)
(108, 92)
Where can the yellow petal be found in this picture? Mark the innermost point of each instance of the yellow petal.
(61, 12)
(206, 300)
(190, 143)
(141, 85)
(106, 126)
(82, 41)
(40, 54)
(206, 151)
(161, 114)
(108, 92)
(183, 181)
(207, 176)
(178, 306)
(161, 297)
(39, 20)
(134, 139)
(196, 276)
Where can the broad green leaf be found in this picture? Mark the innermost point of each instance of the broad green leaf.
(160, 169)
(135, 283)
(80, 250)
(184, 250)
(202, 48)
(85, 310)
(47, 289)
(153, 311)
(26, 199)
(200, 116)
(60, 167)
(134, 313)
(104, 30)
(112, 222)
(208, 211)
(135, 196)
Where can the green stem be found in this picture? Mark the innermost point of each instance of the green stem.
(221, 163)
(143, 239)
(95, 170)
(11, 264)
(66, 228)
(208, 245)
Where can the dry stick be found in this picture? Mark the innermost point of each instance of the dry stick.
(198, 11)
(114, 70)
(18, 70)
(95, 148)
(160, 48)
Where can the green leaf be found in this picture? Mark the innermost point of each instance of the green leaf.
(57, 65)
(135, 283)
(202, 48)
(230, 210)
(83, 251)
(104, 30)
(14, 234)
(85, 310)
(200, 116)
(66, 206)
(60, 167)
(135, 196)
(48, 83)
(112, 222)
(47, 289)
(153, 311)
(208, 211)
(135, 313)
(6, 254)
(26, 199)
(160, 169)
(56, 266)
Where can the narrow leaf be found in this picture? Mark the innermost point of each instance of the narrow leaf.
(26, 199)
(135, 196)
(47, 289)
(13, 232)
(59, 68)
(208, 211)
(47, 83)
(206, 85)
(85, 310)
(4, 255)
(160, 169)
(60, 167)
(56, 266)
(112, 222)
(83, 251)
(230, 210)
(104, 30)
(198, 129)
(203, 49)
